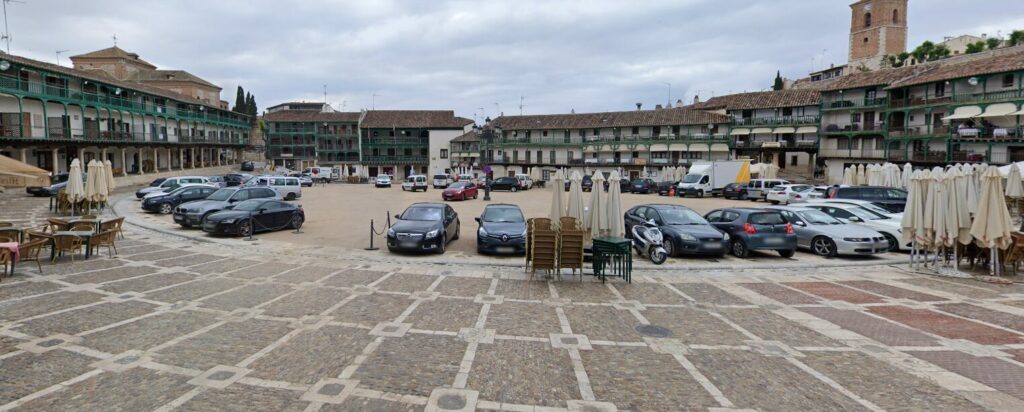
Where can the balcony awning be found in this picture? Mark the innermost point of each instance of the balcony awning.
(761, 130)
(739, 132)
(807, 129)
(784, 130)
(963, 112)
(999, 110)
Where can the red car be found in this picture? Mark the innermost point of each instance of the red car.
(460, 191)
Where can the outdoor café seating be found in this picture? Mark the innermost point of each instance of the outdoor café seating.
(551, 249)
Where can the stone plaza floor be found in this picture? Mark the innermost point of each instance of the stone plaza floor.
(171, 323)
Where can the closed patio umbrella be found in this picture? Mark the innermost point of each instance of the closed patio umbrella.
(862, 177)
(574, 207)
(75, 190)
(616, 221)
(90, 180)
(926, 235)
(991, 227)
(943, 233)
(908, 171)
(100, 184)
(557, 205)
(109, 168)
(1014, 188)
(849, 176)
(597, 217)
(972, 188)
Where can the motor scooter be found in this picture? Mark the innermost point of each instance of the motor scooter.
(648, 242)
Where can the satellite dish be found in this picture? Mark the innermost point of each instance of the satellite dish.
(972, 81)
(4, 65)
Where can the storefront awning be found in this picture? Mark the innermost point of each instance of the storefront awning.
(784, 130)
(761, 130)
(739, 132)
(963, 112)
(999, 110)
(807, 129)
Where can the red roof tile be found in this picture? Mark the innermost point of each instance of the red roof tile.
(658, 117)
(425, 119)
(763, 100)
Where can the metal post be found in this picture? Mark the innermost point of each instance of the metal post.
(372, 233)
(487, 191)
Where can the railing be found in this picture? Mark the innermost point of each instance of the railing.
(931, 157)
(914, 131)
(627, 139)
(387, 142)
(859, 153)
(757, 144)
(776, 121)
(395, 159)
(965, 156)
(854, 104)
(987, 96)
(996, 133)
(338, 158)
(855, 128)
(919, 101)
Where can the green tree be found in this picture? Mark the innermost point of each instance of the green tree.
(1016, 37)
(239, 101)
(897, 60)
(779, 84)
(993, 42)
(939, 52)
(975, 47)
(921, 52)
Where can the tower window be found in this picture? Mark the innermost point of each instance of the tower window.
(865, 40)
(867, 19)
(895, 16)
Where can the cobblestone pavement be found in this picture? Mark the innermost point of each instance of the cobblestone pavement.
(174, 324)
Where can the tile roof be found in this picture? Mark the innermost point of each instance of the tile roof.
(311, 116)
(882, 77)
(657, 117)
(763, 100)
(425, 119)
(1007, 61)
(169, 76)
(112, 52)
(470, 136)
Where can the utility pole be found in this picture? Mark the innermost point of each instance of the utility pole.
(58, 55)
(669, 105)
(521, 98)
(373, 101)
(7, 32)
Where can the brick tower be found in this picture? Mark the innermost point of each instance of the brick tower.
(877, 28)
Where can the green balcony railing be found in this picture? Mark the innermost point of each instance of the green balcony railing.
(865, 103)
(777, 121)
(395, 159)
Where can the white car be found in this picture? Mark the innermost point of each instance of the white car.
(865, 204)
(887, 226)
(525, 182)
(164, 191)
(787, 194)
(383, 181)
(414, 183)
(442, 181)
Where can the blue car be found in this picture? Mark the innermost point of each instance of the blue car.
(755, 229)
(502, 230)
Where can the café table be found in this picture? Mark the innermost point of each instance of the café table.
(86, 236)
(613, 256)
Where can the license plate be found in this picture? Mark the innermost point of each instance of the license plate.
(179, 218)
(409, 245)
(505, 249)
(715, 245)
(773, 241)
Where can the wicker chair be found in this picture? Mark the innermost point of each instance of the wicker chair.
(7, 239)
(66, 243)
(57, 224)
(571, 238)
(7, 260)
(105, 239)
(1015, 254)
(114, 224)
(29, 251)
(83, 226)
(10, 232)
(543, 246)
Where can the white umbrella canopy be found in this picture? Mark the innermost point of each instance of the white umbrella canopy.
(644, 173)
(574, 208)
(992, 226)
(926, 234)
(908, 171)
(972, 188)
(913, 212)
(1014, 188)
(616, 221)
(75, 190)
(597, 217)
(90, 180)
(944, 233)
(862, 177)
(109, 168)
(849, 176)
(100, 191)
(557, 204)
(961, 218)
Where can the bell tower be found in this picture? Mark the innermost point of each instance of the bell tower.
(877, 28)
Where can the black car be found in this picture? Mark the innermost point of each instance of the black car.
(248, 166)
(685, 231)
(424, 227)
(255, 215)
(587, 184)
(642, 185)
(166, 203)
(665, 187)
(235, 179)
(502, 230)
(736, 191)
(57, 182)
(505, 183)
(625, 185)
(892, 199)
(755, 229)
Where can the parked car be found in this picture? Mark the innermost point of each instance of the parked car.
(736, 191)
(248, 166)
(664, 187)
(889, 228)
(235, 179)
(625, 185)
(865, 204)
(305, 181)
(170, 183)
(58, 182)
(382, 181)
(755, 229)
(441, 181)
(587, 183)
(460, 190)
(424, 227)
(685, 232)
(502, 230)
(288, 187)
(192, 213)
(217, 181)
(826, 236)
(757, 189)
(525, 182)
(892, 199)
(165, 203)
(642, 185)
(414, 183)
(255, 215)
(505, 183)
(465, 177)
(787, 194)
(174, 188)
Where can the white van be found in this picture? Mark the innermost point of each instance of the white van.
(757, 189)
(288, 187)
(525, 182)
(442, 181)
(319, 173)
(414, 183)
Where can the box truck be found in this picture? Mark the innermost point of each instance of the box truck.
(708, 178)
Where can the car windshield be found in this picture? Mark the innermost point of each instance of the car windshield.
(801, 188)
(503, 215)
(766, 219)
(458, 185)
(817, 217)
(692, 178)
(422, 213)
(249, 205)
(866, 214)
(680, 216)
(440, 177)
(638, 181)
(221, 195)
(875, 208)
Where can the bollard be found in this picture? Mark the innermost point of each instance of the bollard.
(487, 192)
(372, 232)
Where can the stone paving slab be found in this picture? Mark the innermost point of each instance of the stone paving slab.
(222, 266)
(27, 373)
(619, 374)
(947, 326)
(112, 274)
(445, 314)
(305, 302)
(226, 344)
(694, 326)
(149, 332)
(22, 289)
(190, 260)
(40, 305)
(603, 323)
(1006, 320)
(463, 286)
(145, 283)
(768, 325)
(132, 390)
(246, 296)
(703, 292)
(412, 365)
(353, 277)
(246, 398)
(305, 274)
(523, 319)
(313, 355)
(405, 282)
(84, 319)
(993, 372)
(545, 375)
(192, 290)
(370, 310)
(880, 330)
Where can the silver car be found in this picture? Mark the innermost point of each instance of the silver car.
(826, 236)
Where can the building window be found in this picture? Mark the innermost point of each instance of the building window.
(787, 111)
(551, 157)
(444, 153)
(1008, 80)
(855, 117)
(865, 40)
(568, 155)
(583, 133)
(940, 89)
(540, 156)
(635, 131)
(879, 144)
(867, 19)
(895, 16)
(843, 144)
(544, 133)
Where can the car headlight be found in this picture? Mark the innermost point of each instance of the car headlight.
(482, 232)
(391, 232)
(857, 239)
(687, 237)
(432, 234)
(524, 233)
(228, 221)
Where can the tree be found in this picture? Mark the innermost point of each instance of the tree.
(975, 47)
(940, 51)
(993, 42)
(239, 101)
(897, 60)
(922, 52)
(1016, 37)
(779, 84)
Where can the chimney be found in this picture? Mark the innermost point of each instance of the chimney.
(638, 105)
(572, 111)
(696, 99)
(657, 107)
(679, 103)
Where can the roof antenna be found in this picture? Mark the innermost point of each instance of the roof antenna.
(115, 39)
(521, 104)
(58, 55)
(7, 33)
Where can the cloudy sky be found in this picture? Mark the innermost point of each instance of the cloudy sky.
(479, 57)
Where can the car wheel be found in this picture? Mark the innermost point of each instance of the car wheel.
(297, 222)
(788, 253)
(514, 189)
(290, 196)
(441, 246)
(464, 197)
(823, 246)
(458, 231)
(166, 208)
(700, 193)
(894, 244)
(743, 196)
(475, 194)
(774, 202)
(244, 228)
(670, 247)
(403, 188)
(739, 249)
